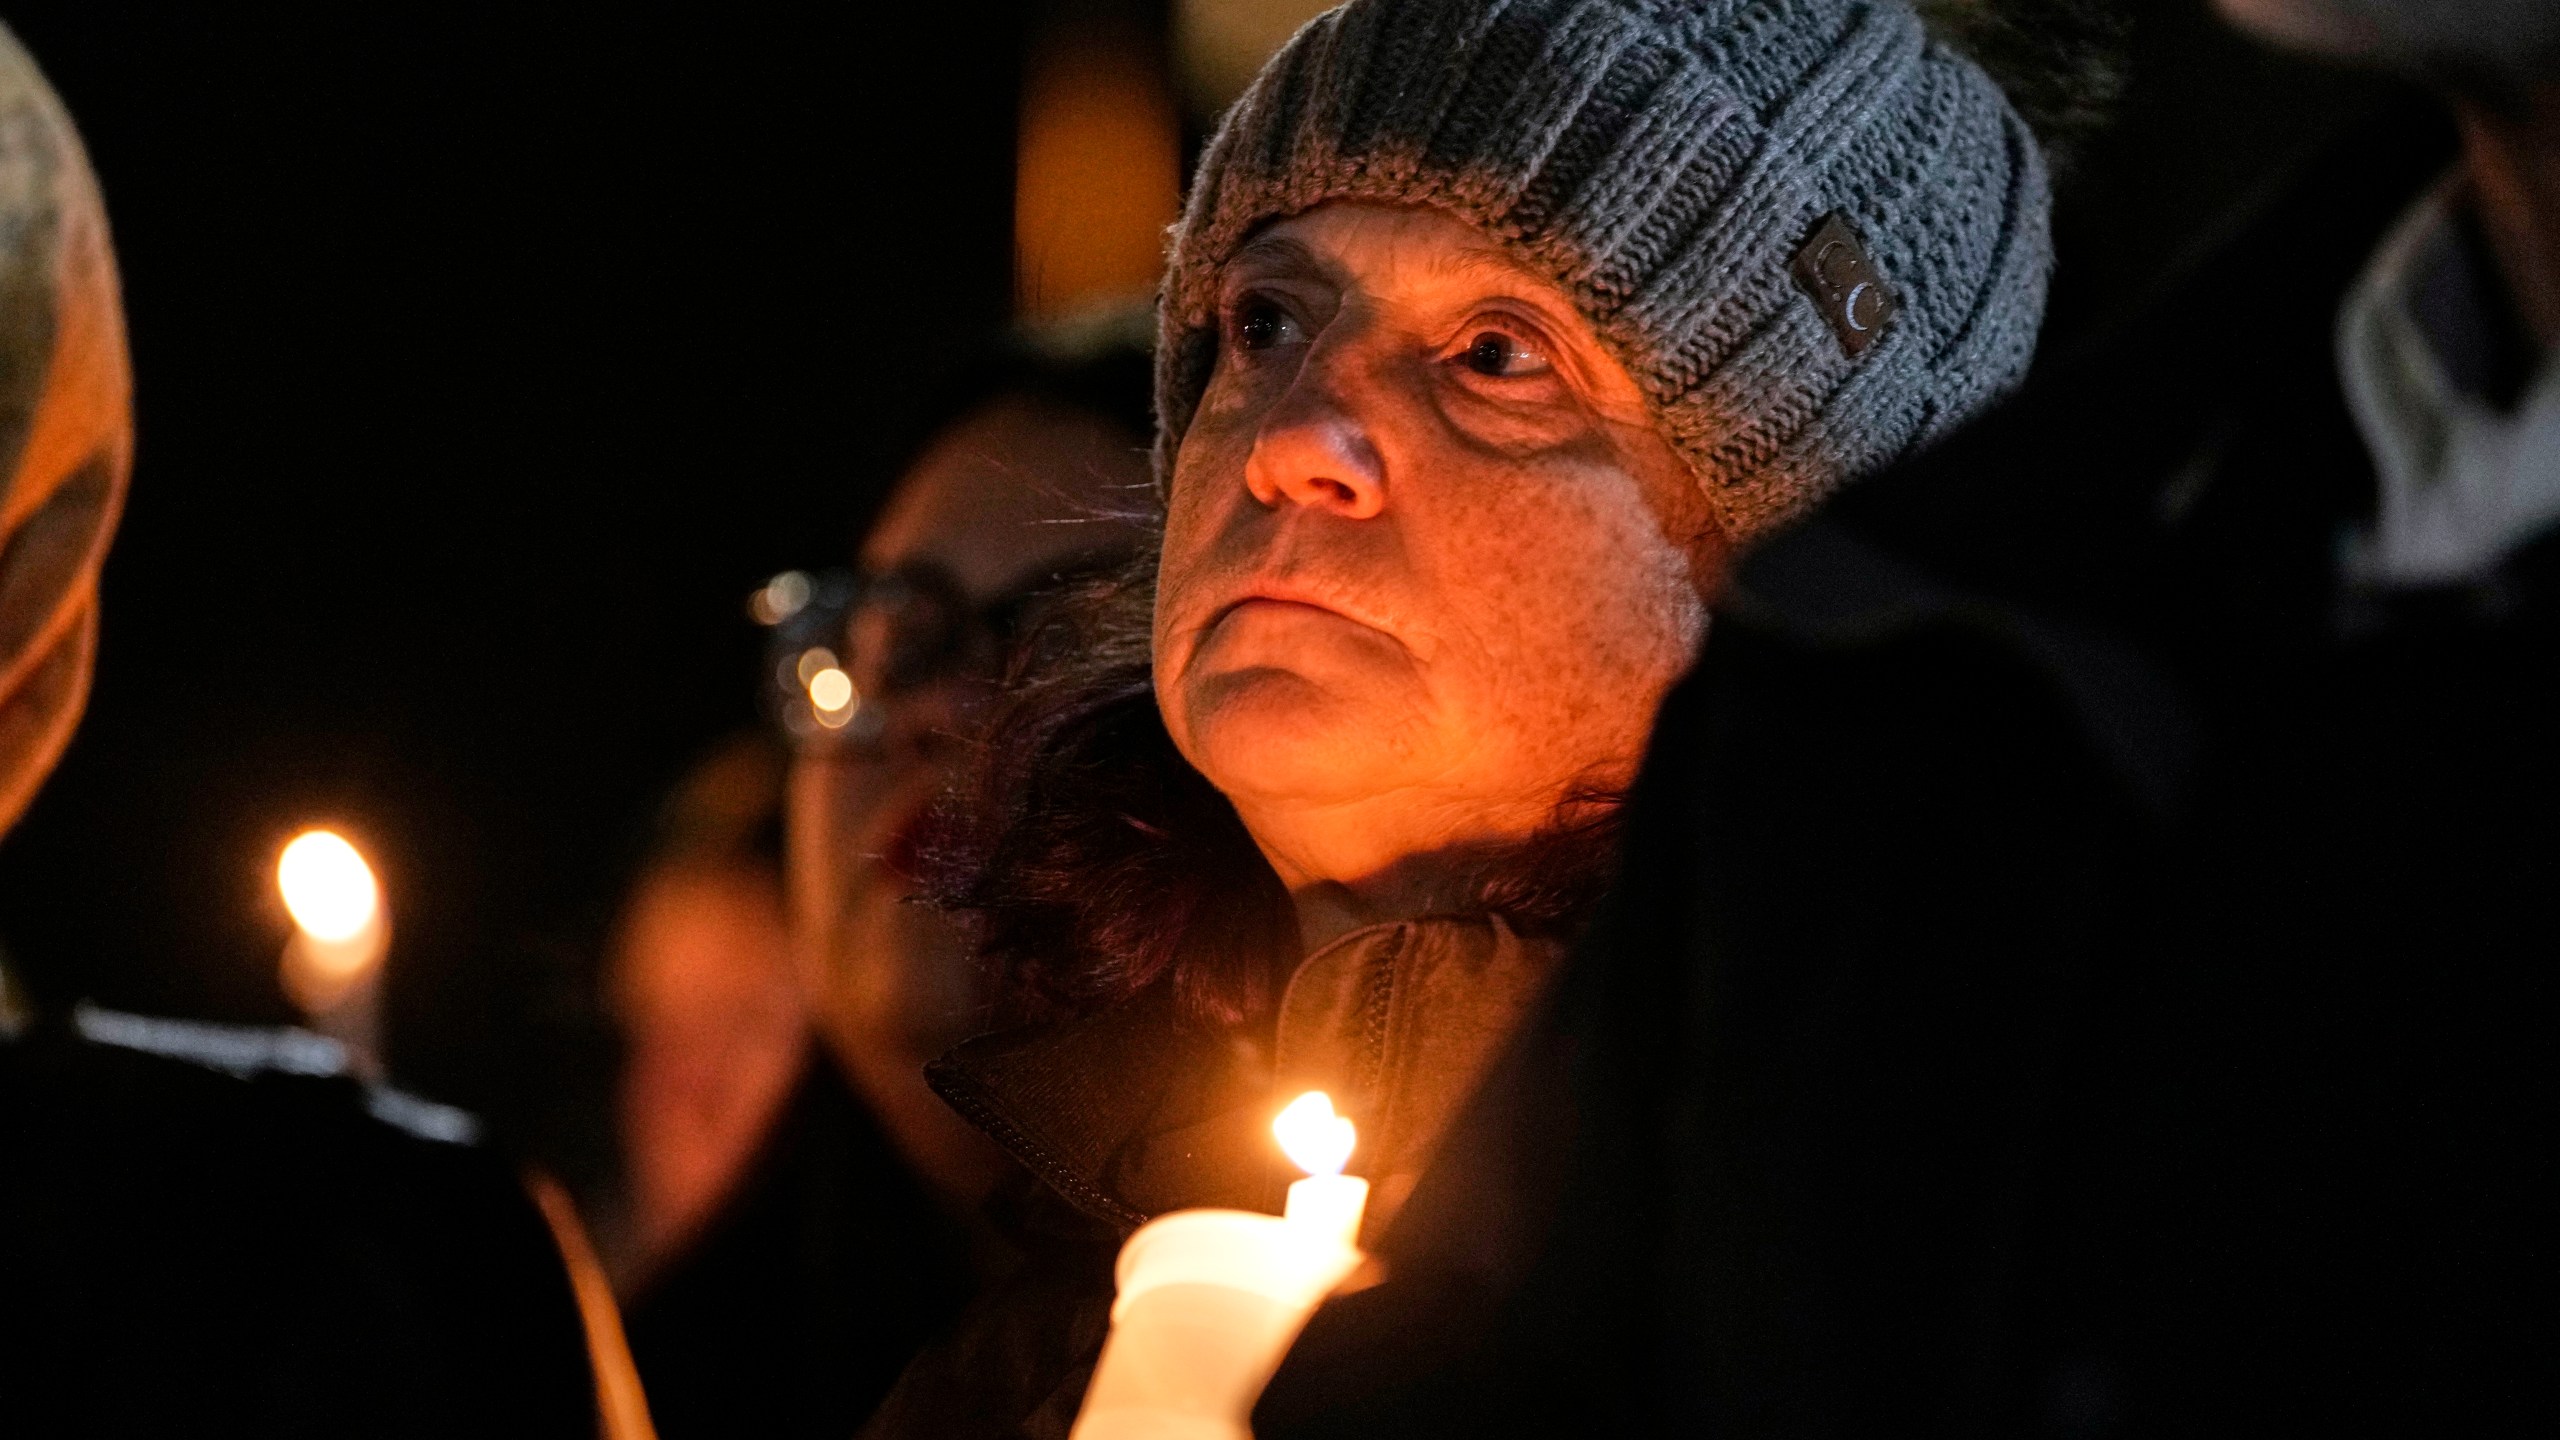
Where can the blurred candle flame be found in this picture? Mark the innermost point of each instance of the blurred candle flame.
(1316, 1140)
(327, 887)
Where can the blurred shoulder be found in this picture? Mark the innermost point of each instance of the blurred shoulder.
(266, 1237)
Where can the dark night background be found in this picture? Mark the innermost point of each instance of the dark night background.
(485, 358)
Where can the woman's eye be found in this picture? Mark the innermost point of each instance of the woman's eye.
(1261, 324)
(1503, 356)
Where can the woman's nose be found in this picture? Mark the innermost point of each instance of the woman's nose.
(1313, 451)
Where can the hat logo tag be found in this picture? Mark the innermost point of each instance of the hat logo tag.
(1834, 269)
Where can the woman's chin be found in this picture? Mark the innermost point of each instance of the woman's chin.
(1280, 738)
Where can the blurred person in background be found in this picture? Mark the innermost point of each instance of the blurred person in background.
(2446, 339)
(699, 984)
(2351, 998)
(2199, 1081)
(210, 1229)
(743, 1231)
(800, 1211)
(1039, 484)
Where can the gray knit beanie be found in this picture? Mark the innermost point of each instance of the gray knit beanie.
(1815, 237)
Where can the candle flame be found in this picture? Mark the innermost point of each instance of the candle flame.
(1317, 1140)
(327, 887)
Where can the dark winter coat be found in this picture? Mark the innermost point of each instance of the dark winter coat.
(2006, 1031)
(793, 1311)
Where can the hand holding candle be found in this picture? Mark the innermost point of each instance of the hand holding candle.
(1211, 1299)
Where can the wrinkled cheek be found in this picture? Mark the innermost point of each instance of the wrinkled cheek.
(1208, 496)
(1606, 621)
(1646, 622)
(1209, 473)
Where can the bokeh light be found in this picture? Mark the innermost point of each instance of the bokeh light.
(780, 598)
(833, 696)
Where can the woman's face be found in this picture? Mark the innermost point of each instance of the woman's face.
(1428, 567)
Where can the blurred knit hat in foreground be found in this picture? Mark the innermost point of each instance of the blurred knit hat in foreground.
(66, 429)
(1816, 237)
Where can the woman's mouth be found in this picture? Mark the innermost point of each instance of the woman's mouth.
(1281, 599)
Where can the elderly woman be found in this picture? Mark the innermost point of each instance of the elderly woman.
(1491, 330)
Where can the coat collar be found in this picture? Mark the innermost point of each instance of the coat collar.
(1125, 1113)
(1131, 1112)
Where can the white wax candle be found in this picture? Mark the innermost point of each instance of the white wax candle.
(1211, 1299)
(1330, 1205)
